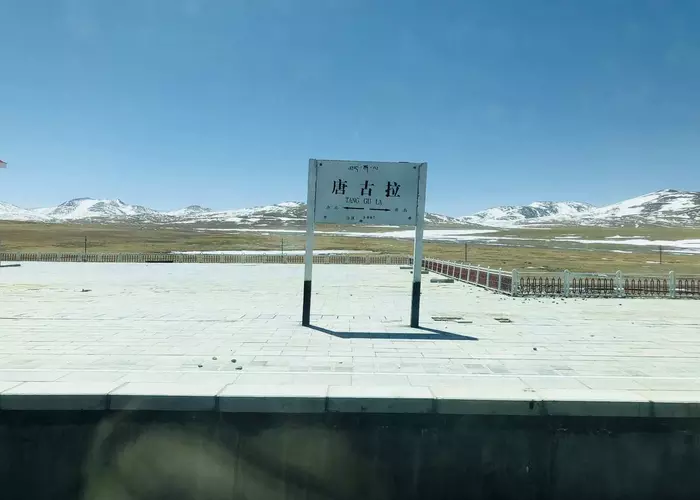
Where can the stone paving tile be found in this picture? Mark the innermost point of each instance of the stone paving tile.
(95, 376)
(51, 332)
(379, 379)
(555, 382)
(671, 384)
(30, 375)
(618, 383)
(57, 396)
(165, 396)
(485, 382)
(8, 385)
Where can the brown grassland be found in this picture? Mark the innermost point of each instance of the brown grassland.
(538, 254)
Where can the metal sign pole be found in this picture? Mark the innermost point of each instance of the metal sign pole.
(418, 246)
(309, 254)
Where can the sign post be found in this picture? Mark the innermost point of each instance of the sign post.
(366, 193)
(418, 249)
(309, 254)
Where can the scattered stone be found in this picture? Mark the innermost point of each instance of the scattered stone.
(534, 348)
(239, 368)
(85, 290)
(214, 358)
(199, 366)
(233, 360)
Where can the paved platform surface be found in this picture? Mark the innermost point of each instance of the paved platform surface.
(228, 337)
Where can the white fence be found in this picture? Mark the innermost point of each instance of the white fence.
(493, 279)
(203, 258)
(616, 284)
(568, 284)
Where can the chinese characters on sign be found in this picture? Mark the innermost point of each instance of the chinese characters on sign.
(339, 186)
(392, 188)
(366, 193)
(366, 189)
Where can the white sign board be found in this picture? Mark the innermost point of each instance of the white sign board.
(365, 192)
(354, 192)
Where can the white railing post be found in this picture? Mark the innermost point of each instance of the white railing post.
(488, 276)
(567, 283)
(515, 285)
(672, 284)
(500, 275)
(469, 272)
(478, 271)
(619, 288)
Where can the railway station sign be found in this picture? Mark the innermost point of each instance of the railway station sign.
(369, 193)
(365, 193)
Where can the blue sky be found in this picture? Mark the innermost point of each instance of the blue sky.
(173, 102)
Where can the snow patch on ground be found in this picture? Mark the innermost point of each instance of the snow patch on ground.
(618, 237)
(692, 246)
(486, 236)
(269, 252)
(428, 234)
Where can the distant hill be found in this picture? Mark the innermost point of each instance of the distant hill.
(666, 207)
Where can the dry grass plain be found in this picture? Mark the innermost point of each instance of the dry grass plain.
(536, 249)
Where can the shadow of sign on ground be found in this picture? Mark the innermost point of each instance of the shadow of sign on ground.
(425, 334)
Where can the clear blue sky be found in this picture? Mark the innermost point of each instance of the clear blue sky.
(173, 102)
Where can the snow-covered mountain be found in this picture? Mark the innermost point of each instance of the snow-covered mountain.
(191, 211)
(13, 212)
(534, 212)
(88, 209)
(285, 213)
(667, 207)
(288, 213)
(664, 207)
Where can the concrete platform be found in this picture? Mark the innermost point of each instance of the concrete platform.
(228, 338)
